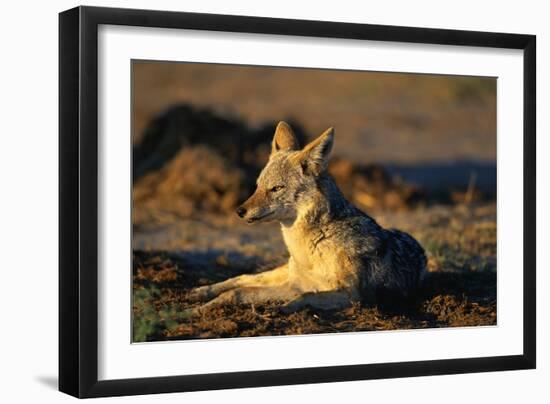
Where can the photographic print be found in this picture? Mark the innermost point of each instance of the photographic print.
(270, 201)
(290, 187)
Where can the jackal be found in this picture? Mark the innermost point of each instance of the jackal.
(338, 254)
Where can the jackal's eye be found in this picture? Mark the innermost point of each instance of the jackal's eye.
(276, 188)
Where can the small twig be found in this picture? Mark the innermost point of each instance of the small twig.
(471, 188)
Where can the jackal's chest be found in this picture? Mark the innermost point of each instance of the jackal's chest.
(302, 245)
(315, 263)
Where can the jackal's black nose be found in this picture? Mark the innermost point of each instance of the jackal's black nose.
(241, 211)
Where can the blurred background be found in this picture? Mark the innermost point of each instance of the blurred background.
(416, 151)
(437, 133)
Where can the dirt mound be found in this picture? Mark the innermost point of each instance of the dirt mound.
(191, 160)
(184, 126)
(196, 179)
(370, 186)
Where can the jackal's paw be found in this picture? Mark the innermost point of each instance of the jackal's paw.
(200, 294)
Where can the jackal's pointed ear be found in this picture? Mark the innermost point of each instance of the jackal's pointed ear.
(284, 138)
(314, 156)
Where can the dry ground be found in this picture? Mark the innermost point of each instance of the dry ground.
(201, 133)
(169, 259)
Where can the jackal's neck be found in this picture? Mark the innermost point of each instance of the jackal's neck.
(332, 203)
(327, 203)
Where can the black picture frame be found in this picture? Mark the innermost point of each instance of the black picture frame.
(78, 201)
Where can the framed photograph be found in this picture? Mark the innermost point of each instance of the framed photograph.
(251, 201)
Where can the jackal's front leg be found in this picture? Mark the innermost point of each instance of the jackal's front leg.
(330, 300)
(273, 277)
(249, 295)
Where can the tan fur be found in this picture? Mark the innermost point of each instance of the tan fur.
(327, 238)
